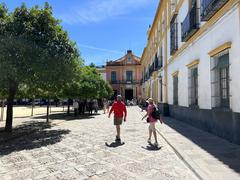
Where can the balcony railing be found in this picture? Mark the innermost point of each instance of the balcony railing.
(174, 36)
(126, 82)
(210, 7)
(191, 23)
(158, 63)
(151, 69)
(146, 76)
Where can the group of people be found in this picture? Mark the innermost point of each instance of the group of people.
(120, 114)
(90, 106)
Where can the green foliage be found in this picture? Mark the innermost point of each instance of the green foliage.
(36, 54)
(35, 48)
(87, 84)
(92, 65)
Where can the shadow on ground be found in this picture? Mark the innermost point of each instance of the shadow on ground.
(30, 135)
(151, 147)
(114, 144)
(66, 117)
(223, 150)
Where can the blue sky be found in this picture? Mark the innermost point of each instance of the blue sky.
(103, 29)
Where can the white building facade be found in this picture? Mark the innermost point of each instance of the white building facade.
(202, 62)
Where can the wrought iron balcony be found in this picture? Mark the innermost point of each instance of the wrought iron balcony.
(125, 82)
(146, 77)
(210, 7)
(158, 63)
(114, 82)
(190, 24)
(174, 36)
(151, 69)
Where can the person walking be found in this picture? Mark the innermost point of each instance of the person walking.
(95, 106)
(105, 106)
(152, 121)
(75, 106)
(120, 114)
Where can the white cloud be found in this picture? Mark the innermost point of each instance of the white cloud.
(100, 49)
(99, 10)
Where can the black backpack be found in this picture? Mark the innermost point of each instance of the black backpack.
(155, 113)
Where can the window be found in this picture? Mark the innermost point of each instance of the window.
(220, 80)
(129, 59)
(161, 90)
(113, 76)
(173, 5)
(174, 36)
(129, 75)
(175, 90)
(160, 57)
(193, 86)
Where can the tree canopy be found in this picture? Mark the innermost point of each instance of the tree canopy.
(37, 57)
(34, 50)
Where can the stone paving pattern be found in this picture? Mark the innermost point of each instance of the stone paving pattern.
(75, 149)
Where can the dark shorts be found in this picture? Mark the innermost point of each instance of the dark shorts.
(117, 121)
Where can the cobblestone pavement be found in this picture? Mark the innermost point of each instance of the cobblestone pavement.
(76, 149)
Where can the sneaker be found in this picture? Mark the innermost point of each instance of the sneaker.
(156, 144)
(149, 141)
(117, 139)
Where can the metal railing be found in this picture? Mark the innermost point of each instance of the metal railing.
(210, 7)
(190, 24)
(126, 82)
(174, 36)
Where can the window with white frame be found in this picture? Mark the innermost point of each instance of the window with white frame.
(193, 86)
(220, 80)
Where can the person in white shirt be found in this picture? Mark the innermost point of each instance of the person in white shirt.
(75, 106)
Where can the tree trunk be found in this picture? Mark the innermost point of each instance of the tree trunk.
(10, 101)
(48, 111)
(2, 111)
(32, 107)
(63, 107)
(68, 110)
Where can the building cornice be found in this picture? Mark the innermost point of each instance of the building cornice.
(193, 63)
(175, 73)
(219, 49)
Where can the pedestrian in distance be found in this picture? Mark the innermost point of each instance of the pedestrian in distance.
(152, 121)
(120, 114)
(108, 105)
(95, 106)
(105, 104)
(75, 107)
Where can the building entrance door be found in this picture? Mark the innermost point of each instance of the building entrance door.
(128, 94)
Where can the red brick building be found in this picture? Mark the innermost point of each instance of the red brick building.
(124, 75)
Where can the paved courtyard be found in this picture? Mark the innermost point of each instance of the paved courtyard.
(76, 149)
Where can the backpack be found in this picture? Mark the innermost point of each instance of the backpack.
(155, 113)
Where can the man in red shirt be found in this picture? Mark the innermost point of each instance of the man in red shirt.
(120, 112)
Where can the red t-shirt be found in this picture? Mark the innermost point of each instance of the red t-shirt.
(118, 108)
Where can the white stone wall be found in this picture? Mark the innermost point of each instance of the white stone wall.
(225, 30)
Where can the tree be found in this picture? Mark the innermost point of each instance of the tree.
(92, 65)
(34, 48)
(87, 84)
